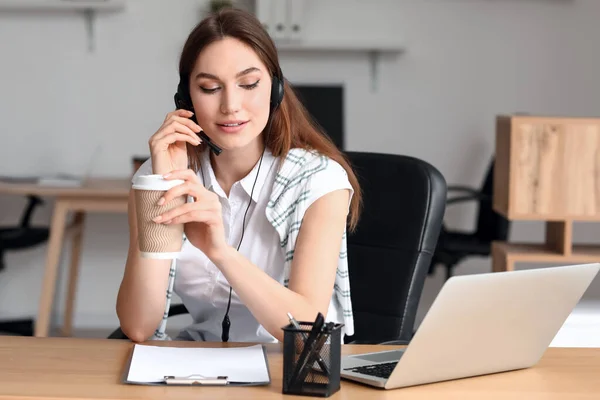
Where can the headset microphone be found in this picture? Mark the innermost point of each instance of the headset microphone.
(215, 149)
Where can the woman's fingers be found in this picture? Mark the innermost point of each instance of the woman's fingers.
(168, 146)
(174, 132)
(185, 174)
(187, 122)
(180, 137)
(190, 187)
(176, 126)
(183, 119)
(205, 216)
(179, 113)
(169, 215)
(185, 189)
(188, 212)
(205, 201)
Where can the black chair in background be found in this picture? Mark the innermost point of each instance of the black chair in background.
(18, 238)
(390, 252)
(455, 246)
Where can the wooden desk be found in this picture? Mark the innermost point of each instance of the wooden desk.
(44, 368)
(95, 195)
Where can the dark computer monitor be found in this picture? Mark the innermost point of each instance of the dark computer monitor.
(326, 106)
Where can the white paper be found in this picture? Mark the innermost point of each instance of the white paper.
(150, 364)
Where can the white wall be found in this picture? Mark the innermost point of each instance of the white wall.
(467, 61)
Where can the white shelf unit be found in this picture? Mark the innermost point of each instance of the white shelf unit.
(57, 5)
(341, 45)
(375, 50)
(88, 8)
(280, 16)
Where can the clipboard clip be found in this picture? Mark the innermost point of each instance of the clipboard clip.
(195, 380)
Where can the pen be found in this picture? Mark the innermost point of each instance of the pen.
(308, 348)
(320, 361)
(324, 334)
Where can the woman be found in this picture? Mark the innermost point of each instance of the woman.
(265, 232)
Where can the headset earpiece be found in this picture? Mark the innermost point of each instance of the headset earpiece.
(182, 97)
(183, 100)
(276, 92)
(179, 103)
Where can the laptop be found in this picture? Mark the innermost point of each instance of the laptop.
(478, 325)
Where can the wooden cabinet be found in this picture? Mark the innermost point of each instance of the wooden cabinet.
(547, 169)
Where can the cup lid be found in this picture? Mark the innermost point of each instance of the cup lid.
(155, 182)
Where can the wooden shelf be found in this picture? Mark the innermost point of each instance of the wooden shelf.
(507, 254)
(57, 5)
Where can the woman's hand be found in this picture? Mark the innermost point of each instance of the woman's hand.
(202, 218)
(168, 145)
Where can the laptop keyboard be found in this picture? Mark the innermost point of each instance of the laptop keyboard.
(379, 370)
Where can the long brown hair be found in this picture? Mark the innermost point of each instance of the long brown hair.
(291, 125)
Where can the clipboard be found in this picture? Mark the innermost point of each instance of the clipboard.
(196, 380)
(163, 354)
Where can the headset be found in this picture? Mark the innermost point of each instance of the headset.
(183, 101)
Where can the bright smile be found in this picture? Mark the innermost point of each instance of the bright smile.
(231, 126)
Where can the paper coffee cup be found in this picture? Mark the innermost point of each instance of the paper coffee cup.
(156, 240)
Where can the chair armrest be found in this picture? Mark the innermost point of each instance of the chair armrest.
(177, 309)
(470, 197)
(33, 201)
(468, 194)
(459, 188)
(117, 334)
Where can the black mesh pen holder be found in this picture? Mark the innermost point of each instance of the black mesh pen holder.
(311, 365)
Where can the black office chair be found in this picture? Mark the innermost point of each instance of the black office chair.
(390, 252)
(455, 246)
(17, 238)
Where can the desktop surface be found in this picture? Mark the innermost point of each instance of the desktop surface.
(92, 187)
(44, 368)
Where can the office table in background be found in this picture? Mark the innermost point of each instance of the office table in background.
(43, 368)
(94, 195)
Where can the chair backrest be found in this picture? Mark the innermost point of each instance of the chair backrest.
(23, 235)
(390, 252)
(491, 226)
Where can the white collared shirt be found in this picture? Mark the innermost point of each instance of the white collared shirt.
(201, 285)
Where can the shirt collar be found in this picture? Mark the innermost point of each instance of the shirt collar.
(247, 182)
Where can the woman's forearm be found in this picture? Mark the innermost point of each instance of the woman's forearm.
(266, 298)
(141, 299)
